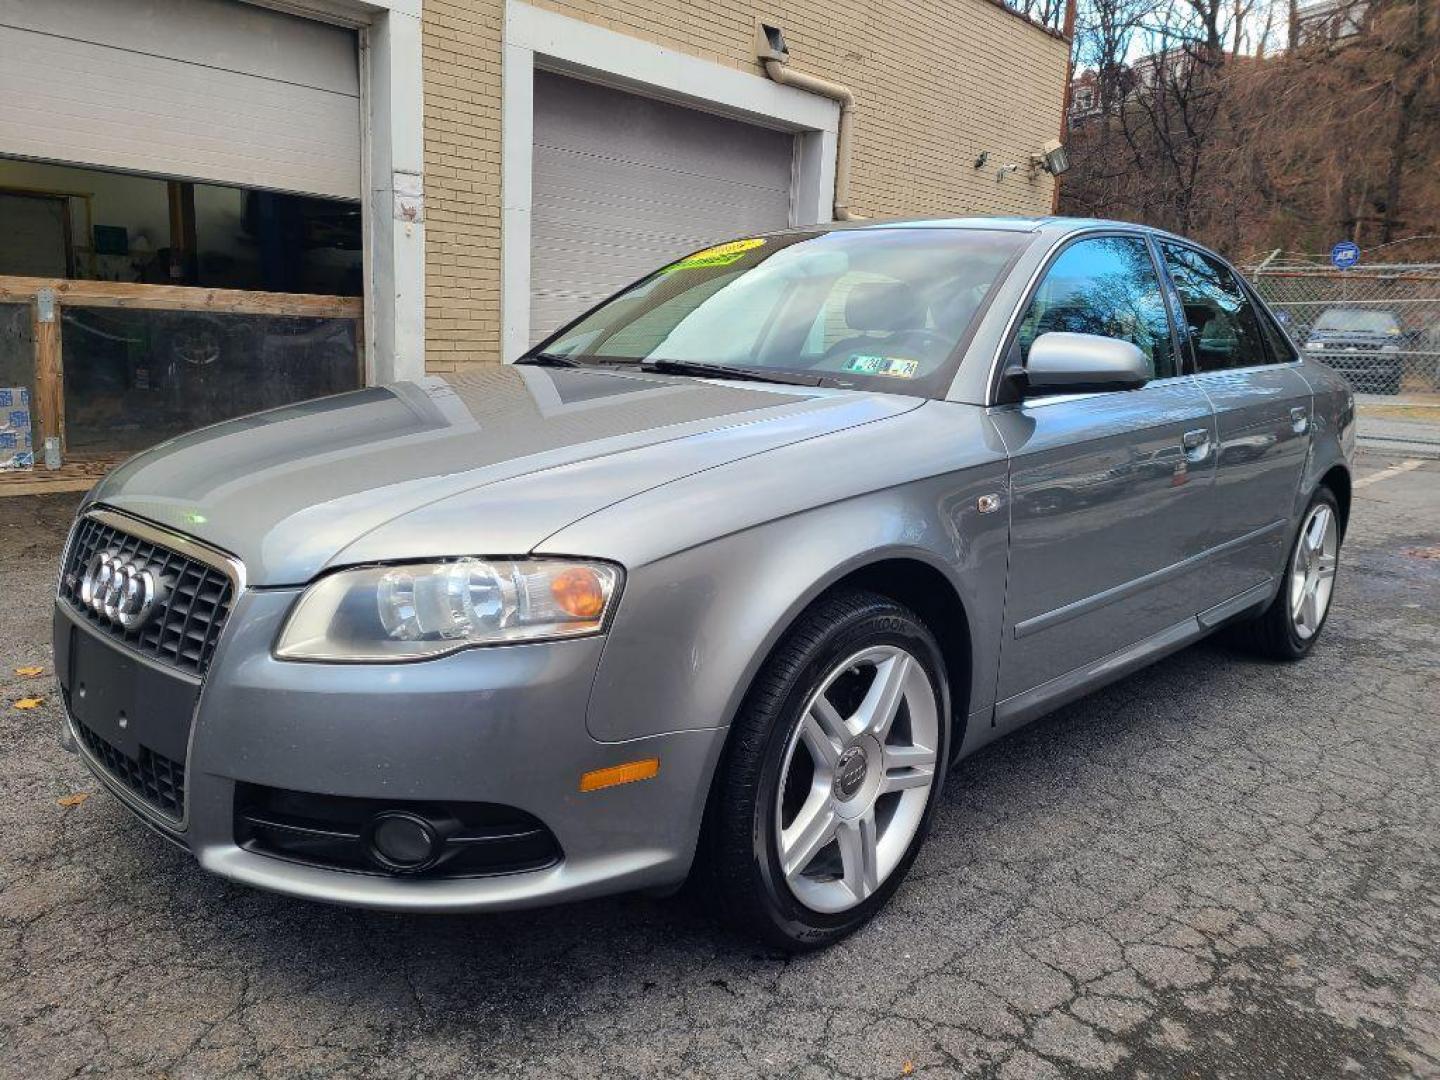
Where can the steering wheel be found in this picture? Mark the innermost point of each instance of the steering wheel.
(927, 342)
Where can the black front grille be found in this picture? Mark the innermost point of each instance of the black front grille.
(184, 631)
(154, 777)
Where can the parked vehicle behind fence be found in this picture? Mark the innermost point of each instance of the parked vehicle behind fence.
(722, 579)
(1363, 344)
(1373, 298)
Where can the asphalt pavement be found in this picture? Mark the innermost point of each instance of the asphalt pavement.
(1399, 427)
(1217, 867)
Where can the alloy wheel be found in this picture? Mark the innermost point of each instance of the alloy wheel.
(856, 778)
(1312, 571)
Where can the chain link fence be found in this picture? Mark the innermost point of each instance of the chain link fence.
(1379, 326)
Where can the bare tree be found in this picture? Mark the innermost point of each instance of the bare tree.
(1104, 32)
(1411, 38)
(1335, 137)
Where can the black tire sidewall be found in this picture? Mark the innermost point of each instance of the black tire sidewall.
(883, 624)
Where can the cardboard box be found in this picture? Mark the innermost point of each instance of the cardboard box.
(17, 450)
(14, 419)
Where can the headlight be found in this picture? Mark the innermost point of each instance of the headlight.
(409, 612)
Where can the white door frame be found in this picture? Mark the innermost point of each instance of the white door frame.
(535, 38)
(392, 176)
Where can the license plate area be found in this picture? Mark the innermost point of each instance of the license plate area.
(124, 699)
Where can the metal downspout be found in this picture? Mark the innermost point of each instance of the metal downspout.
(787, 76)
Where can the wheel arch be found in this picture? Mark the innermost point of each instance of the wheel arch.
(912, 579)
(925, 590)
(1337, 479)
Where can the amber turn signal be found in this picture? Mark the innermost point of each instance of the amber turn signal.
(620, 774)
(579, 591)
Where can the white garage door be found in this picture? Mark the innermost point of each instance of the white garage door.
(622, 184)
(211, 90)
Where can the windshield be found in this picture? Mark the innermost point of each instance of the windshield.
(1353, 320)
(879, 307)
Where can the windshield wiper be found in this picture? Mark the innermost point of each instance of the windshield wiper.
(726, 371)
(547, 359)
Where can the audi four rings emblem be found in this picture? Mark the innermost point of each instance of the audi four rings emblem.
(118, 590)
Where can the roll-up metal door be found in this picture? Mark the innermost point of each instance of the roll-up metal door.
(208, 90)
(622, 184)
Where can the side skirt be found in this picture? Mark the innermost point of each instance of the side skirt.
(1017, 711)
(1030, 704)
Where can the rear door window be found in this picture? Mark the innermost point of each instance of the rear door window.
(1222, 324)
(1281, 351)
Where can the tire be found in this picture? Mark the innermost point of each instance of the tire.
(837, 658)
(1281, 632)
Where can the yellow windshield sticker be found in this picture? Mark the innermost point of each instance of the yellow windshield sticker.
(719, 255)
(892, 366)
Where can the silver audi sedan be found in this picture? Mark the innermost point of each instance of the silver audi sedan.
(718, 580)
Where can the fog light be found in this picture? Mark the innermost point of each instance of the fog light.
(403, 841)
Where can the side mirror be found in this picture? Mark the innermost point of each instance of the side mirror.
(1083, 363)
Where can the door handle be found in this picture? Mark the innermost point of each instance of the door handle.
(1300, 419)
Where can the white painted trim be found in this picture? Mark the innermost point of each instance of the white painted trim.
(353, 13)
(538, 38)
(392, 172)
(396, 198)
(517, 136)
(661, 72)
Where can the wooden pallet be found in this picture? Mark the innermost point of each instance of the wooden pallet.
(78, 473)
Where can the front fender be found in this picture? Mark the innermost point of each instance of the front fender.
(700, 614)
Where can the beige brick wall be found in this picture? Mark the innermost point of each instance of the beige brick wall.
(937, 83)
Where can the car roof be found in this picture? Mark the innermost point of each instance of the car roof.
(1050, 224)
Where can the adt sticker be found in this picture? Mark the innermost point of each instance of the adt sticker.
(1345, 254)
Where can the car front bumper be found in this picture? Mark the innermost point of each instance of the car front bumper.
(494, 725)
(1360, 363)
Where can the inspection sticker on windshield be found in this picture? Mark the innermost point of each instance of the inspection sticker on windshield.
(883, 365)
(719, 255)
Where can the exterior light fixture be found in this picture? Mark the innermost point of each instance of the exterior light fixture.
(1051, 157)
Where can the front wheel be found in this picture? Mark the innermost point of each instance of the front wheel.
(1288, 628)
(832, 773)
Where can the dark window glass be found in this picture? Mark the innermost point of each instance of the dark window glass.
(142, 229)
(1224, 329)
(1105, 286)
(1281, 351)
(134, 377)
(1358, 321)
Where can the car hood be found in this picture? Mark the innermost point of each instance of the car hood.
(486, 462)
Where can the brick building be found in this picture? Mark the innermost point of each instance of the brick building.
(937, 85)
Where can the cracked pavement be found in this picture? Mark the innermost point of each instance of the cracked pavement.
(1217, 867)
